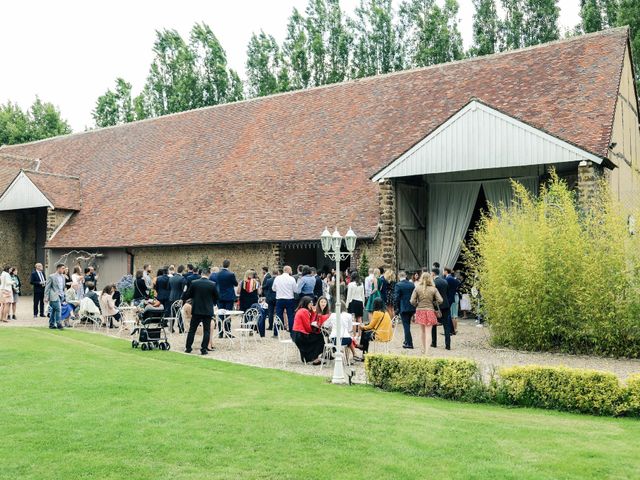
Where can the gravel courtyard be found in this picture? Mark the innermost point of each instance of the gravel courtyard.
(471, 343)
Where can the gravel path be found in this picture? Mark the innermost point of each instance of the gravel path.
(471, 343)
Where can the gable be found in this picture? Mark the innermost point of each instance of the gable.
(479, 137)
(23, 193)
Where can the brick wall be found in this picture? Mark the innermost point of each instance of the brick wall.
(18, 237)
(243, 256)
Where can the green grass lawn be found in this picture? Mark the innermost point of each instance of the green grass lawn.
(77, 405)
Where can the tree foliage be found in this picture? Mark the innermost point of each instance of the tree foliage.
(629, 14)
(41, 120)
(529, 22)
(429, 33)
(486, 28)
(266, 71)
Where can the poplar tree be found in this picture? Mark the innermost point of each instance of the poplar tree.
(529, 22)
(266, 72)
(486, 28)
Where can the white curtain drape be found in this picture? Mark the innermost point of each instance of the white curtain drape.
(450, 209)
(500, 191)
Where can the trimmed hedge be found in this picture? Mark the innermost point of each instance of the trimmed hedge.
(555, 388)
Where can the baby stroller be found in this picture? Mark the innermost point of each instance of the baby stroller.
(151, 330)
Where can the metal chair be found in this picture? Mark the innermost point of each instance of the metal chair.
(248, 327)
(392, 332)
(176, 314)
(285, 342)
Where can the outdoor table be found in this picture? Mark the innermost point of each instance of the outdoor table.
(228, 317)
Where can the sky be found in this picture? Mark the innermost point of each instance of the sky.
(70, 52)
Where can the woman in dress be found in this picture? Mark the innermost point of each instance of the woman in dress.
(77, 282)
(375, 290)
(6, 293)
(305, 333)
(355, 297)
(13, 271)
(248, 291)
(323, 311)
(425, 298)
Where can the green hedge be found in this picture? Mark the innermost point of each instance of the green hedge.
(454, 379)
(556, 388)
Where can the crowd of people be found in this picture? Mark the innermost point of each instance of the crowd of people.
(304, 301)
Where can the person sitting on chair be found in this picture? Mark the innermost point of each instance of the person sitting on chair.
(305, 334)
(379, 328)
(108, 306)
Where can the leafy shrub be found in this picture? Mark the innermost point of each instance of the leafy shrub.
(632, 396)
(204, 264)
(556, 388)
(125, 286)
(454, 379)
(560, 388)
(363, 268)
(555, 277)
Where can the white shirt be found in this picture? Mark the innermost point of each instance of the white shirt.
(355, 292)
(346, 324)
(368, 285)
(284, 285)
(5, 282)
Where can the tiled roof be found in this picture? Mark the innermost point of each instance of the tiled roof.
(10, 166)
(283, 167)
(63, 191)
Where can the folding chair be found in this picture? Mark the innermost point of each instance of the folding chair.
(285, 342)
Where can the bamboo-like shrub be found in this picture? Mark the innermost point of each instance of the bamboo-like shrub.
(555, 276)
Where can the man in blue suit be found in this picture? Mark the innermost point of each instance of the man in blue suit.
(452, 291)
(227, 282)
(402, 293)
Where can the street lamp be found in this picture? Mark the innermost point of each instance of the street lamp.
(331, 244)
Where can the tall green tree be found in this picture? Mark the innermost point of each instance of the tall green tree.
(172, 80)
(114, 106)
(339, 43)
(629, 14)
(486, 28)
(529, 22)
(42, 120)
(376, 47)
(210, 64)
(296, 51)
(430, 33)
(266, 70)
(597, 15)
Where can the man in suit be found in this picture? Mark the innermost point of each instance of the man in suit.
(53, 294)
(402, 294)
(226, 287)
(38, 281)
(318, 290)
(204, 295)
(453, 284)
(443, 288)
(270, 296)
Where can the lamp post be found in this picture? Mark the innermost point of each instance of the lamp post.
(331, 244)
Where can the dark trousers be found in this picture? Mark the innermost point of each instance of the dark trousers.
(38, 303)
(289, 305)
(224, 323)
(406, 326)
(448, 327)
(365, 339)
(206, 329)
(271, 312)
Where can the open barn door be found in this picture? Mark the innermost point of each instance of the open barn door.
(412, 223)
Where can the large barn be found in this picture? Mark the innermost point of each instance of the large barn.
(406, 159)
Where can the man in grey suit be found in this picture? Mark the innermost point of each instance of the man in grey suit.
(53, 293)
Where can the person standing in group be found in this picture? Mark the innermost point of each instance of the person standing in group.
(387, 290)
(424, 298)
(403, 291)
(270, 296)
(248, 291)
(375, 290)
(38, 281)
(227, 284)
(203, 294)
(306, 283)
(453, 284)
(285, 287)
(77, 282)
(6, 293)
(90, 275)
(368, 285)
(318, 289)
(163, 290)
(176, 285)
(443, 289)
(140, 291)
(17, 284)
(53, 295)
(355, 297)
(146, 275)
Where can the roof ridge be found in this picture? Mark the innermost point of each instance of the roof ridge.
(13, 156)
(37, 172)
(483, 58)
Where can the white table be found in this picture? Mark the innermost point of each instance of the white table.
(221, 312)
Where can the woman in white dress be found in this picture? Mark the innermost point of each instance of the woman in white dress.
(77, 282)
(6, 293)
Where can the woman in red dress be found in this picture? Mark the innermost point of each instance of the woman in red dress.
(305, 332)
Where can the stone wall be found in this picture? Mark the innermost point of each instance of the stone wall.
(242, 256)
(387, 237)
(589, 176)
(18, 234)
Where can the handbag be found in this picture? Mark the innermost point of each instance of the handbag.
(436, 307)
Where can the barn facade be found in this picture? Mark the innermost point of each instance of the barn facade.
(407, 160)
